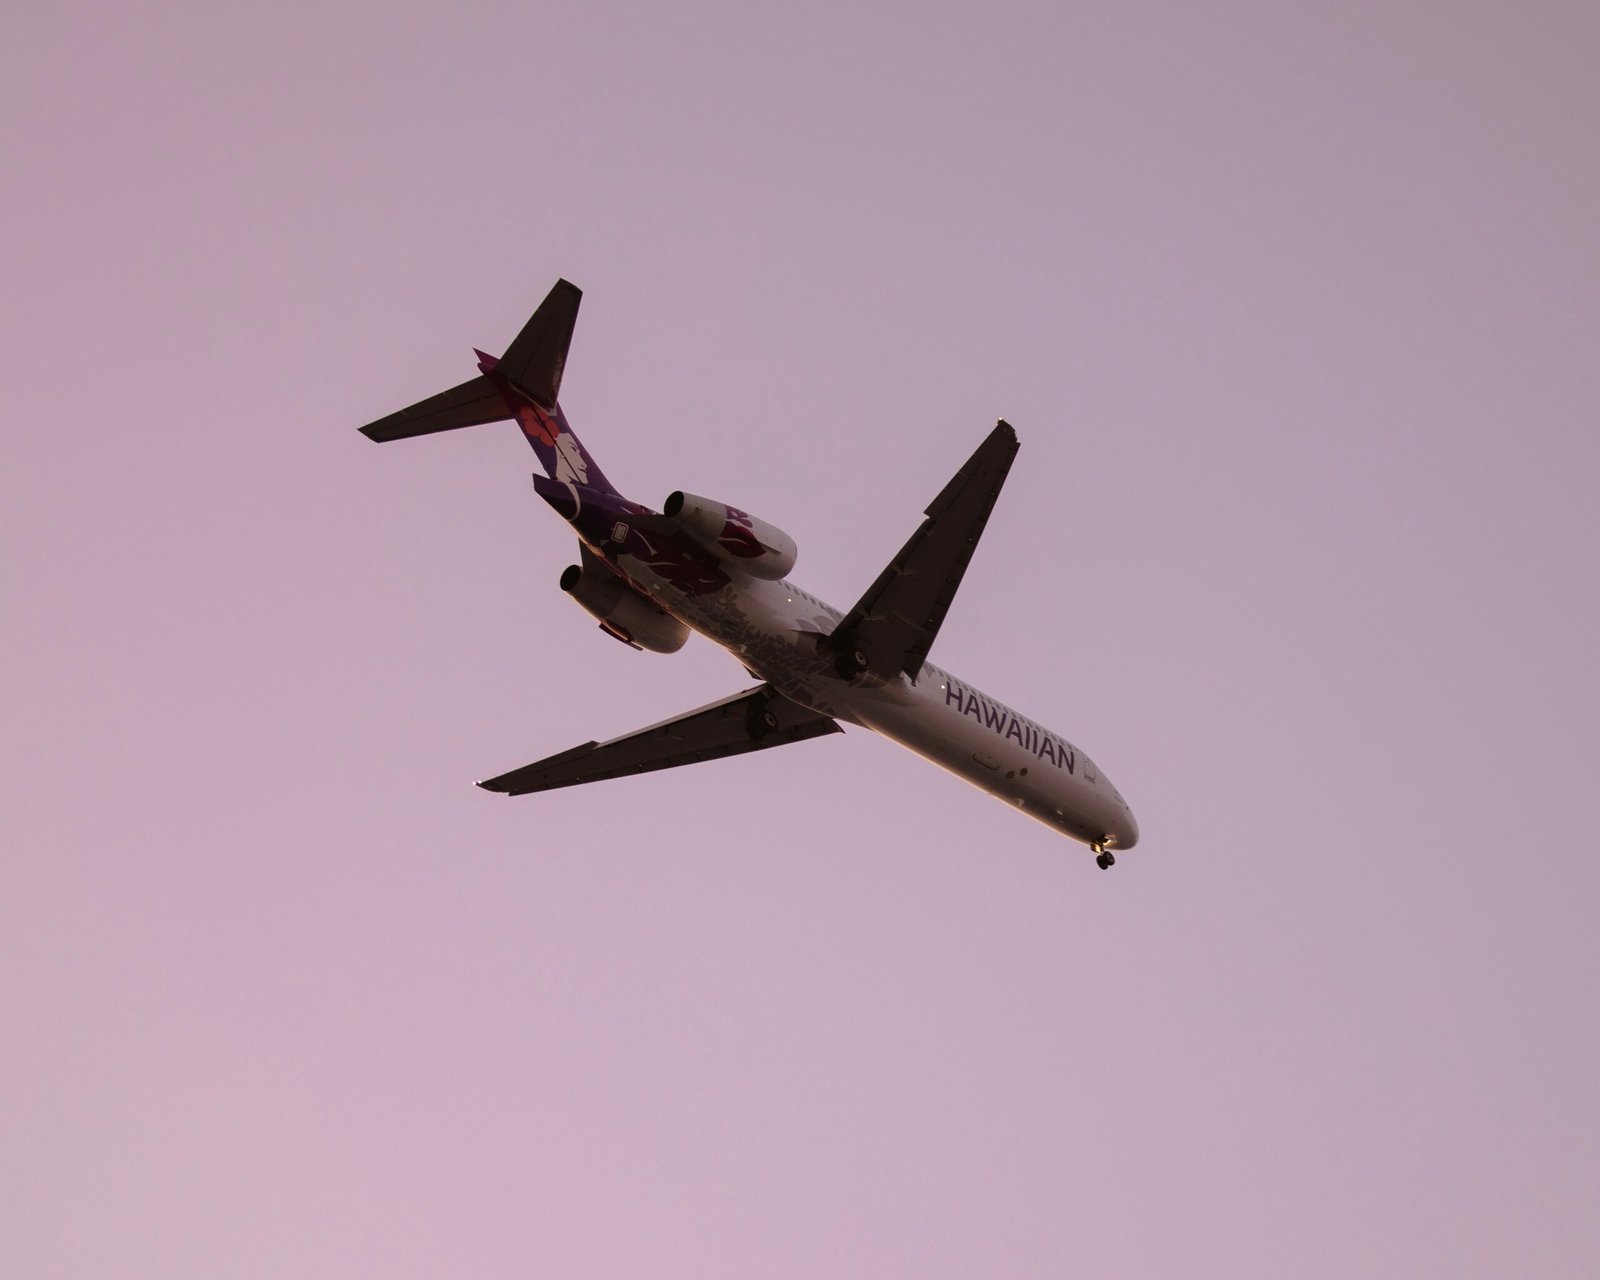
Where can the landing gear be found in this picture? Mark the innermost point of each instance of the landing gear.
(760, 721)
(1103, 857)
(850, 663)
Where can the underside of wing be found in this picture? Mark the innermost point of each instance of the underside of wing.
(894, 624)
(749, 721)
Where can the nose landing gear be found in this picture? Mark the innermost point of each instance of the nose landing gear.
(1103, 857)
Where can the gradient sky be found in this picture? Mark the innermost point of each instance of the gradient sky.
(1297, 312)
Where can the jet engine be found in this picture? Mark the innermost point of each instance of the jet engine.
(622, 612)
(735, 537)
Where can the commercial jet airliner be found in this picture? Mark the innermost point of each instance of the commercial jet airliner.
(650, 578)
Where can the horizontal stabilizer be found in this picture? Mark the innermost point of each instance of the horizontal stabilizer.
(536, 359)
(750, 721)
(473, 402)
(894, 624)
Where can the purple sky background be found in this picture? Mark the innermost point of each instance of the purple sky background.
(1296, 310)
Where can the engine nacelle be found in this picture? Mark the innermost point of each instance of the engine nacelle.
(735, 537)
(622, 612)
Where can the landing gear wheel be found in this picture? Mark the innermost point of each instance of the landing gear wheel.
(850, 664)
(761, 721)
(1103, 857)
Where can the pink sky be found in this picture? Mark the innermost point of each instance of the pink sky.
(1296, 310)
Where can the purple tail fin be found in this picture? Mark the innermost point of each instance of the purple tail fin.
(523, 385)
(559, 450)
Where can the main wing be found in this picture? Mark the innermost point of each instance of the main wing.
(749, 721)
(893, 625)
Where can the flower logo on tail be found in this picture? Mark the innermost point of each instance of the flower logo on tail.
(537, 424)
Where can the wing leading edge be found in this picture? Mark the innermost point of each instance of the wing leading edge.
(894, 624)
(749, 721)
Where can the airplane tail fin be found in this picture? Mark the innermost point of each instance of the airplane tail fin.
(522, 385)
(536, 358)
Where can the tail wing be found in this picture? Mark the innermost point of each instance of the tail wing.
(523, 385)
(534, 362)
(473, 402)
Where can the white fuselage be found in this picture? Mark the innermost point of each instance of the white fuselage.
(774, 629)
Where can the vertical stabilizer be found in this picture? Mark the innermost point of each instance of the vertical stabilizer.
(535, 360)
(523, 384)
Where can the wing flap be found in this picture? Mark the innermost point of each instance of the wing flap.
(894, 624)
(749, 721)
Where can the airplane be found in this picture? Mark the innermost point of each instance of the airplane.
(650, 578)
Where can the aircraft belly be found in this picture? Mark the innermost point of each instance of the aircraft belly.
(765, 625)
(1006, 756)
(769, 628)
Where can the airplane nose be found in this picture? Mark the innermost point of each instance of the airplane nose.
(1126, 830)
(1122, 829)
